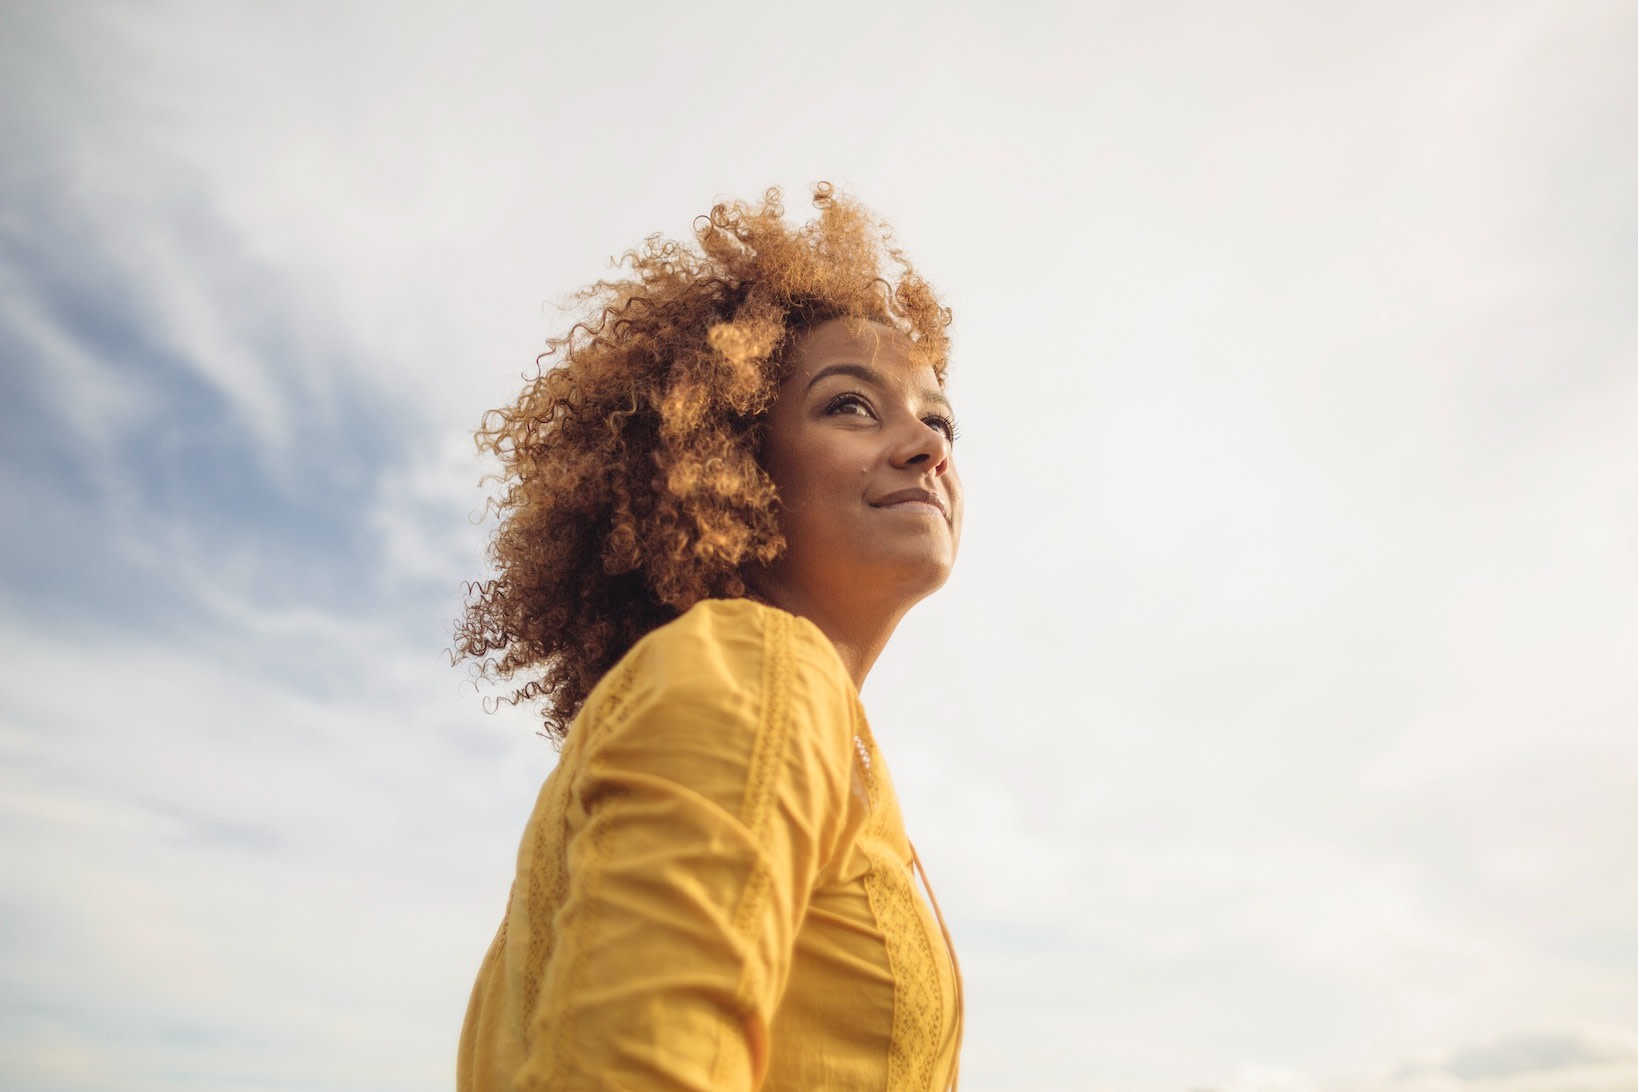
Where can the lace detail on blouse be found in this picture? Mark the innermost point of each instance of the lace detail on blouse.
(918, 1002)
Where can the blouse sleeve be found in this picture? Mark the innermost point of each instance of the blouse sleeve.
(710, 795)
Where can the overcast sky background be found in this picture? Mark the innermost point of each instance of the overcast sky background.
(1277, 733)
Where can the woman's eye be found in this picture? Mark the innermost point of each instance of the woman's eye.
(943, 424)
(849, 405)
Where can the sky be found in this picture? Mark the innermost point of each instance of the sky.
(1277, 731)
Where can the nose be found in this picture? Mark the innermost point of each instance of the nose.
(921, 446)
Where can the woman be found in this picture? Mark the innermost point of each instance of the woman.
(719, 503)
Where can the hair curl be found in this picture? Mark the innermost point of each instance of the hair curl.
(631, 480)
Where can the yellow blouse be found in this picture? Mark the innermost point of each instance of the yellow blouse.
(714, 891)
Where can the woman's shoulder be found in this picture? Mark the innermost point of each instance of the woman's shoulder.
(725, 651)
(716, 692)
(743, 639)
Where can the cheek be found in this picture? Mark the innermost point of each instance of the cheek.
(817, 472)
(834, 482)
(822, 496)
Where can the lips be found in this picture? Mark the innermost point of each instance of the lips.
(913, 497)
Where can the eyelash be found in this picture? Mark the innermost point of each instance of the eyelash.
(946, 425)
(936, 421)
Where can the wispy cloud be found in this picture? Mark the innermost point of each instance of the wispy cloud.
(1565, 1059)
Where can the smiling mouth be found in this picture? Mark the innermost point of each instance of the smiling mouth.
(913, 499)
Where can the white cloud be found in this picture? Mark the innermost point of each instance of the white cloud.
(1563, 1059)
(235, 876)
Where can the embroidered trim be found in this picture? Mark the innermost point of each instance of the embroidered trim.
(918, 998)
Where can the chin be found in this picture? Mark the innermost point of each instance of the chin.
(917, 580)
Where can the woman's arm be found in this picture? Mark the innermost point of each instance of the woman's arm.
(707, 802)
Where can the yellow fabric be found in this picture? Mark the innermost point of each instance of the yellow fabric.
(715, 891)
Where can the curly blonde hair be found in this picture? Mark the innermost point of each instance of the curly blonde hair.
(631, 481)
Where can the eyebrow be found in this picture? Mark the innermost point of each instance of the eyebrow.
(873, 377)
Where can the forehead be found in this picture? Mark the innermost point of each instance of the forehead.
(856, 341)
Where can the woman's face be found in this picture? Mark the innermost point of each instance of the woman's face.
(858, 445)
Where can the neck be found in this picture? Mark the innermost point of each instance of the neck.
(858, 630)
